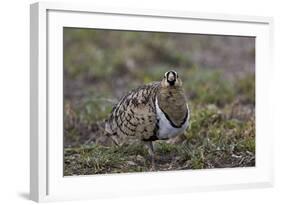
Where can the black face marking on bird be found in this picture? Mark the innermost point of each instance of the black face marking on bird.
(171, 79)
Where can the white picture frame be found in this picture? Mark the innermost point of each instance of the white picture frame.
(47, 182)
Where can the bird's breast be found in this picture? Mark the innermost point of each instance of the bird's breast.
(166, 129)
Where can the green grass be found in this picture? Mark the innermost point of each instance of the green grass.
(97, 159)
(214, 140)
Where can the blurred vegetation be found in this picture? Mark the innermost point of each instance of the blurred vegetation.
(218, 73)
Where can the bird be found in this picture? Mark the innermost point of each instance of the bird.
(155, 111)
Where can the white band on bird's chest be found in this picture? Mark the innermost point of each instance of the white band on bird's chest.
(166, 130)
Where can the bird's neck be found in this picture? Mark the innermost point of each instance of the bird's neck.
(172, 102)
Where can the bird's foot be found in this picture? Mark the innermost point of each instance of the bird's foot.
(153, 166)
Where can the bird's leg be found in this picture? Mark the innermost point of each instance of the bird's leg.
(151, 153)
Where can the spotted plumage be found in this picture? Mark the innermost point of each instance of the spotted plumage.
(155, 111)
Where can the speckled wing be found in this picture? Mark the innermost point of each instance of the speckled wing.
(135, 115)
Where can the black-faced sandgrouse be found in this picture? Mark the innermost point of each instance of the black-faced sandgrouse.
(156, 111)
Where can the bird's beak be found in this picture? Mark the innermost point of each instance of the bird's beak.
(171, 80)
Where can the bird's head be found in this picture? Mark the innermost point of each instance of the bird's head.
(171, 79)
